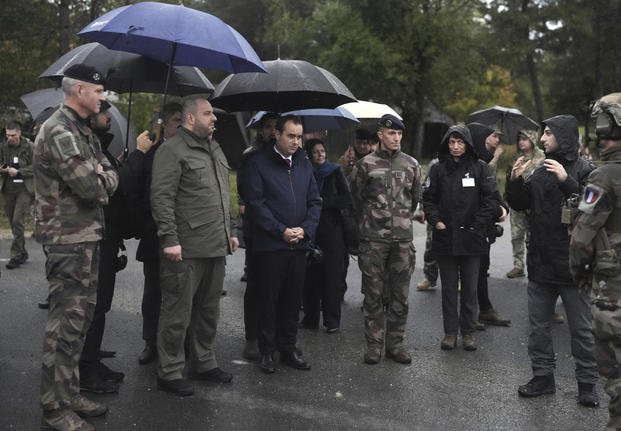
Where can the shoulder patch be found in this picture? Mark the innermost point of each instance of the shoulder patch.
(593, 194)
(65, 145)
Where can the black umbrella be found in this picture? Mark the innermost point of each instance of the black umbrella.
(508, 120)
(126, 72)
(288, 85)
(42, 103)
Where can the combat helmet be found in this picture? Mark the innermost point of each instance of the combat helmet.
(607, 114)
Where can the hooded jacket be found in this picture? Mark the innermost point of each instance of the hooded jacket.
(462, 195)
(544, 196)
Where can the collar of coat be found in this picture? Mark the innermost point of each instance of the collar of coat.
(80, 122)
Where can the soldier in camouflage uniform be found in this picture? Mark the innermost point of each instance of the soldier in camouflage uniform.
(386, 188)
(526, 147)
(17, 188)
(73, 179)
(595, 249)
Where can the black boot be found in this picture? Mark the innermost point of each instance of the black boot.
(587, 395)
(538, 385)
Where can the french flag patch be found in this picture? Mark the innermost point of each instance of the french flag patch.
(591, 196)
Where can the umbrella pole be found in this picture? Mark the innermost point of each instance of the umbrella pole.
(129, 116)
(170, 66)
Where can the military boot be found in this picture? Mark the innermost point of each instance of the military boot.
(86, 408)
(399, 355)
(538, 385)
(372, 356)
(587, 395)
(449, 342)
(515, 273)
(491, 317)
(64, 420)
(469, 342)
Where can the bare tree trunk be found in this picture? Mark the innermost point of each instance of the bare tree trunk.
(534, 82)
(64, 30)
(95, 9)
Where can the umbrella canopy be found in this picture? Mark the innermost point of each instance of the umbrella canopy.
(363, 109)
(314, 120)
(176, 35)
(288, 85)
(508, 120)
(126, 72)
(42, 103)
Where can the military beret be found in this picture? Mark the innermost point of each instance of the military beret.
(389, 121)
(85, 73)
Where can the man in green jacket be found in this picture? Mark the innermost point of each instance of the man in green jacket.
(191, 207)
(17, 187)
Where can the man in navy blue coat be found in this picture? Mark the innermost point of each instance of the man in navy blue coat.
(284, 204)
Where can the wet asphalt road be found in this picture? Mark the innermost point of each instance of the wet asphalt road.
(440, 390)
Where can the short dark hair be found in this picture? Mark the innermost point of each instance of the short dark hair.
(268, 116)
(170, 109)
(280, 124)
(308, 145)
(363, 135)
(13, 125)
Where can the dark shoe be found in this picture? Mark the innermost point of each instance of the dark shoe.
(372, 356)
(22, 258)
(251, 350)
(558, 318)
(399, 355)
(515, 273)
(44, 305)
(491, 317)
(587, 395)
(215, 375)
(538, 385)
(86, 408)
(148, 355)
(105, 354)
(293, 360)
(267, 364)
(179, 387)
(332, 330)
(469, 342)
(13, 263)
(95, 384)
(64, 420)
(109, 375)
(449, 342)
(479, 326)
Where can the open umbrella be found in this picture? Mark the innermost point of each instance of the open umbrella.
(508, 120)
(288, 85)
(176, 35)
(42, 103)
(126, 72)
(363, 109)
(314, 120)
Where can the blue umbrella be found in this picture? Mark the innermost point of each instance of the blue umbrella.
(176, 35)
(314, 120)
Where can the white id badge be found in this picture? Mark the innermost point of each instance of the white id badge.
(467, 182)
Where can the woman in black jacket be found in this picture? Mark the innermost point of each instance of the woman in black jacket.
(322, 288)
(459, 201)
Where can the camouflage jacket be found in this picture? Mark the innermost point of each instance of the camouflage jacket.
(69, 193)
(23, 152)
(600, 208)
(386, 189)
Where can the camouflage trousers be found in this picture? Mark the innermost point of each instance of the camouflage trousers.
(71, 270)
(519, 236)
(17, 206)
(430, 266)
(607, 329)
(386, 271)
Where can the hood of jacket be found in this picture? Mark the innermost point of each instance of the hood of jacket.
(464, 132)
(565, 130)
(479, 133)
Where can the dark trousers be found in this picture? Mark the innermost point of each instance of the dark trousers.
(151, 300)
(109, 249)
(482, 287)
(541, 302)
(251, 299)
(280, 289)
(452, 270)
(323, 292)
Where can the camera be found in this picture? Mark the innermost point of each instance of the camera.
(498, 230)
